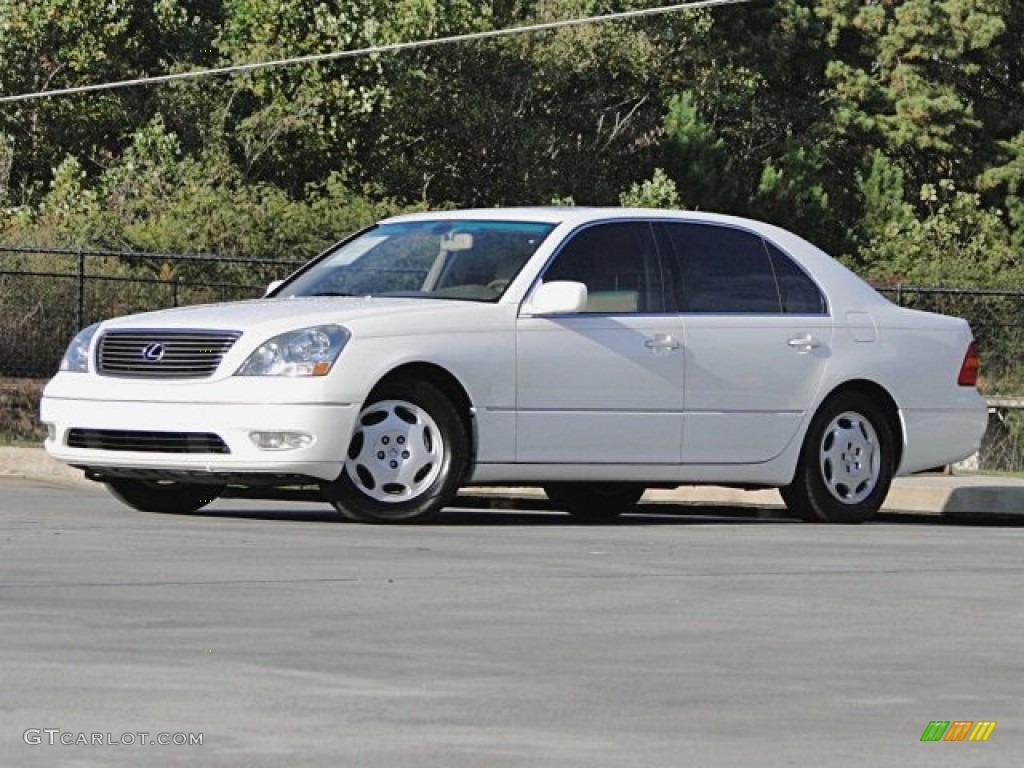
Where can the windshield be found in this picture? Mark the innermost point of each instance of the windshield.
(451, 259)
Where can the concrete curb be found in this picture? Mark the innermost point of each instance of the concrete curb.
(34, 463)
(974, 495)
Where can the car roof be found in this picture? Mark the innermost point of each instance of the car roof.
(576, 215)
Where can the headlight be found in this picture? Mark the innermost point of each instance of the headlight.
(76, 358)
(309, 352)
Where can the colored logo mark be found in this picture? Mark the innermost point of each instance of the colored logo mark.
(958, 730)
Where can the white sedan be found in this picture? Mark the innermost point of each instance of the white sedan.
(593, 352)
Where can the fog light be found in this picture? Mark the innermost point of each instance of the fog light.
(51, 431)
(280, 441)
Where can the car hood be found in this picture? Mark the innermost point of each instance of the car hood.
(279, 315)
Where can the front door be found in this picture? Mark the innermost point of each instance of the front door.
(605, 385)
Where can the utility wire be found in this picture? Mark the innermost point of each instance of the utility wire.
(394, 47)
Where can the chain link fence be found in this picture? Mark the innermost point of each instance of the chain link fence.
(47, 295)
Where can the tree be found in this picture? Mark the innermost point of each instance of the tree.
(699, 161)
(52, 44)
(910, 77)
(528, 118)
(657, 192)
(292, 125)
(1008, 176)
(958, 242)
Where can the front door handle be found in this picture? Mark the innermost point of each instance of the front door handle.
(803, 344)
(661, 341)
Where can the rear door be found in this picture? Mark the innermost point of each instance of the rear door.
(757, 336)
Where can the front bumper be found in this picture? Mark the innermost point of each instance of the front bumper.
(329, 424)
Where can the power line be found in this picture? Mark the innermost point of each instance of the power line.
(392, 48)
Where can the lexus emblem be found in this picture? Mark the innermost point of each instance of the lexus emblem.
(154, 352)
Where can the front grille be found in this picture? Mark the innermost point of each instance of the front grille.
(147, 442)
(162, 354)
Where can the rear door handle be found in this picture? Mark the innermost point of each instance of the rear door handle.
(662, 341)
(803, 344)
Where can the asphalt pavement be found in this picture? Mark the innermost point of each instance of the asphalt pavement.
(262, 634)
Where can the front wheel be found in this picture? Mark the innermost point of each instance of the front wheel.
(406, 459)
(164, 496)
(846, 465)
(594, 502)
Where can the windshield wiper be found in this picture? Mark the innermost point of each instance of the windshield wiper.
(336, 293)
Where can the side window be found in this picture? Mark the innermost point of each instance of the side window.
(800, 295)
(619, 264)
(723, 270)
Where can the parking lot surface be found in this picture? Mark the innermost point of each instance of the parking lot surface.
(682, 636)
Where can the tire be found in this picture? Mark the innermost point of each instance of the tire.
(846, 464)
(594, 502)
(407, 457)
(163, 496)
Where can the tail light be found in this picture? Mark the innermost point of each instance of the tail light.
(969, 370)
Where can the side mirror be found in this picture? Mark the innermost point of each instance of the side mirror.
(273, 287)
(561, 297)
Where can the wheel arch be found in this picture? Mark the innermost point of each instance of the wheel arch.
(450, 387)
(881, 397)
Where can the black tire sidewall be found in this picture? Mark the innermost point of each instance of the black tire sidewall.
(351, 502)
(809, 495)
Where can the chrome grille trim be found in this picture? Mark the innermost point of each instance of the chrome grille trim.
(186, 354)
(146, 442)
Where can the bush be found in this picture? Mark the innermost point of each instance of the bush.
(19, 410)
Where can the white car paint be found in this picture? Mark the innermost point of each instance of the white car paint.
(592, 391)
(668, 397)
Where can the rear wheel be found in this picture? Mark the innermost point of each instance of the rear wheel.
(164, 496)
(846, 465)
(406, 459)
(594, 502)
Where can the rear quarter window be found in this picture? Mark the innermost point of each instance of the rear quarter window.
(800, 295)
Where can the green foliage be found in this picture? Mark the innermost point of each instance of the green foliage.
(958, 242)
(286, 125)
(50, 44)
(891, 134)
(657, 192)
(1008, 177)
(910, 75)
(698, 158)
(528, 118)
(157, 200)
